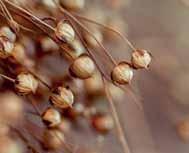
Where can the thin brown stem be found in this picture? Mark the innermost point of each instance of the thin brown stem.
(7, 78)
(119, 128)
(125, 39)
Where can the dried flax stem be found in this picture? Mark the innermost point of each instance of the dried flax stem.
(119, 128)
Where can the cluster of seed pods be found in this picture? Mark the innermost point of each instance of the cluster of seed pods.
(82, 68)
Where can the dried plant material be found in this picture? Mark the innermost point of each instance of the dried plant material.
(50, 4)
(65, 32)
(62, 97)
(51, 117)
(83, 67)
(53, 139)
(122, 73)
(26, 83)
(8, 33)
(141, 59)
(6, 47)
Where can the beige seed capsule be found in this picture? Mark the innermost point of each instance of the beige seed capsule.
(73, 4)
(62, 97)
(53, 139)
(26, 83)
(6, 47)
(83, 67)
(103, 123)
(141, 59)
(51, 117)
(183, 130)
(7, 32)
(65, 32)
(122, 73)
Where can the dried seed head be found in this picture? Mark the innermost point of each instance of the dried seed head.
(122, 73)
(7, 32)
(51, 117)
(183, 130)
(53, 139)
(141, 59)
(6, 47)
(65, 125)
(19, 52)
(65, 32)
(62, 97)
(26, 83)
(83, 67)
(73, 4)
(103, 123)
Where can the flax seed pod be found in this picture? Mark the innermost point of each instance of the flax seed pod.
(62, 97)
(6, 47)
(26, 83)
(183, 130)
(47, 44)
(53, 139)
(141, 59)
(83, 67)
(65, 32)
(122, 73)
(73, 4)
(103, 123)
(8, 33)
(51, 117)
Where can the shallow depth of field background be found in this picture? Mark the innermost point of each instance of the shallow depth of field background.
(160, 26)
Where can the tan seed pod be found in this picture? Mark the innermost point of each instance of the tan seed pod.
(26, 83)
(53, 139)
(47, 44)
(183, 130)
(6, 47)
(122, 73)
(141, 59)
(103, 123)
(73, 4)
(83, 67)
(65, 32)
(50, 4)
(7, 32)
(62, 97)
(51, 117)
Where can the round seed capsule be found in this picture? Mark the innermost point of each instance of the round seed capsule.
(53, 139)
(62, 97)
(122, 73)
(73, 4)
(26, 83)
(6, 47)
(51, 117)
(7, 32)
(141, 59)
(103, 123)
(83, 67)
(65, 32)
